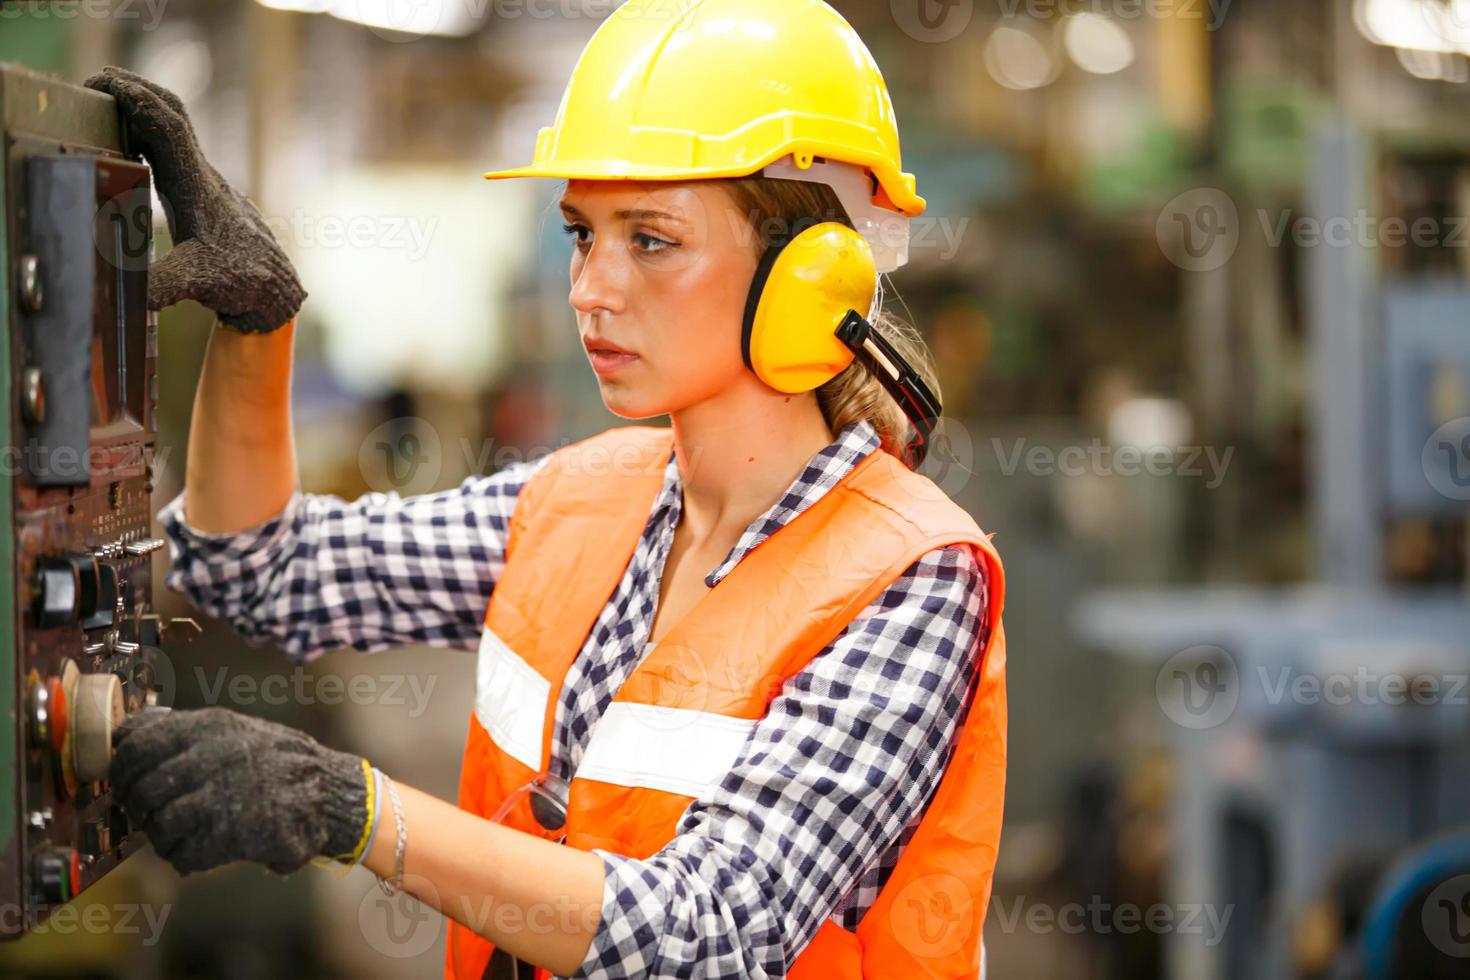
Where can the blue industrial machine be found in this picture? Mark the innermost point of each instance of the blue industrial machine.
(1313, 725)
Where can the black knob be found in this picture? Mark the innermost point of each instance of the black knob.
(150, 630)
(66, 590)
(118, 826)
(51, 876)
(106, 601)
(96, 838)
(56, 601)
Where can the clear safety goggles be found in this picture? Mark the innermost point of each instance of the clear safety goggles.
(543, 799)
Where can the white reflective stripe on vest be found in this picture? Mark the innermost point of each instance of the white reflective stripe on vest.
(672, 749)
(510, 700)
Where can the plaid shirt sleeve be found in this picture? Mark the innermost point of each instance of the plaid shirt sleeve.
(847, 754)
(375, 573)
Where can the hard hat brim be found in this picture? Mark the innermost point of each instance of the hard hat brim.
(909, 204)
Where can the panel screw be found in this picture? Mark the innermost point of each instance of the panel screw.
(30, 283)
(33, 395)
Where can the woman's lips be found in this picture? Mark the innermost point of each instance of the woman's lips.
(606, 362)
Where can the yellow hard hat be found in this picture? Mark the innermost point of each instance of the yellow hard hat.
(682, 89)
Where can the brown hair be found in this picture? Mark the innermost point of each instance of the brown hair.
(772, 205)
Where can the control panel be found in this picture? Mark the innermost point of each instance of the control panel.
(80, 642)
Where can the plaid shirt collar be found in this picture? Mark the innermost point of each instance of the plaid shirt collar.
(855, 441)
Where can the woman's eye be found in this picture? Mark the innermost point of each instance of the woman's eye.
(650, 243)
(646, 243)
(576, 232)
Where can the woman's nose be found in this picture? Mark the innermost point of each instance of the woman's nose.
(599, 285)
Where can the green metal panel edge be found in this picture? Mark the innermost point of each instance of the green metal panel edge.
(9, 680)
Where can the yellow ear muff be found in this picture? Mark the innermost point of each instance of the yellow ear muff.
(803, 287)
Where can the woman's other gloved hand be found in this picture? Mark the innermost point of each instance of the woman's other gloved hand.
(212, 786)
(224, 254)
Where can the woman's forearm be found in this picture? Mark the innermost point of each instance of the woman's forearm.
(241, 466)
(540, 901)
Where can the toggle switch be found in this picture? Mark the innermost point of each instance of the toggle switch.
(145, 547)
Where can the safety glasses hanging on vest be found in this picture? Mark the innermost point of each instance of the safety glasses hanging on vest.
(546, 798)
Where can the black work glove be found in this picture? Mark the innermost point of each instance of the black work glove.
(224, 255)
(214, 786)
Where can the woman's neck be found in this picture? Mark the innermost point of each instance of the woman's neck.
(736, 460)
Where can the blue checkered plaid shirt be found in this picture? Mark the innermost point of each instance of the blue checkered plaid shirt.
(827, 791)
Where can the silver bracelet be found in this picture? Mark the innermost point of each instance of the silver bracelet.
(397, 884)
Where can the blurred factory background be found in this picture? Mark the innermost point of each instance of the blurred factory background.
(1196, 274)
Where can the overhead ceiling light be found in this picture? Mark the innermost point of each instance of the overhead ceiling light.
(404, 19)
(1018, 59)
(299, 6)
(1434, 66)
(1419, 25)
(1097, 44)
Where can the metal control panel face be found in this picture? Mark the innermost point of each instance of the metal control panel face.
(82, 641)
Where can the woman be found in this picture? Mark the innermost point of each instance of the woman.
(728, 661)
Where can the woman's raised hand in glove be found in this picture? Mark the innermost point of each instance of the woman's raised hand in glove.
(224, 255)
(212, 786)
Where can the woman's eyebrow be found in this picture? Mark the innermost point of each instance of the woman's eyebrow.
(636, 213)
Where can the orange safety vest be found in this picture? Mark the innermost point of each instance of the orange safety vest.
(676, 726)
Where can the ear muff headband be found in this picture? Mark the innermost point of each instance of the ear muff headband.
(919, 404)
